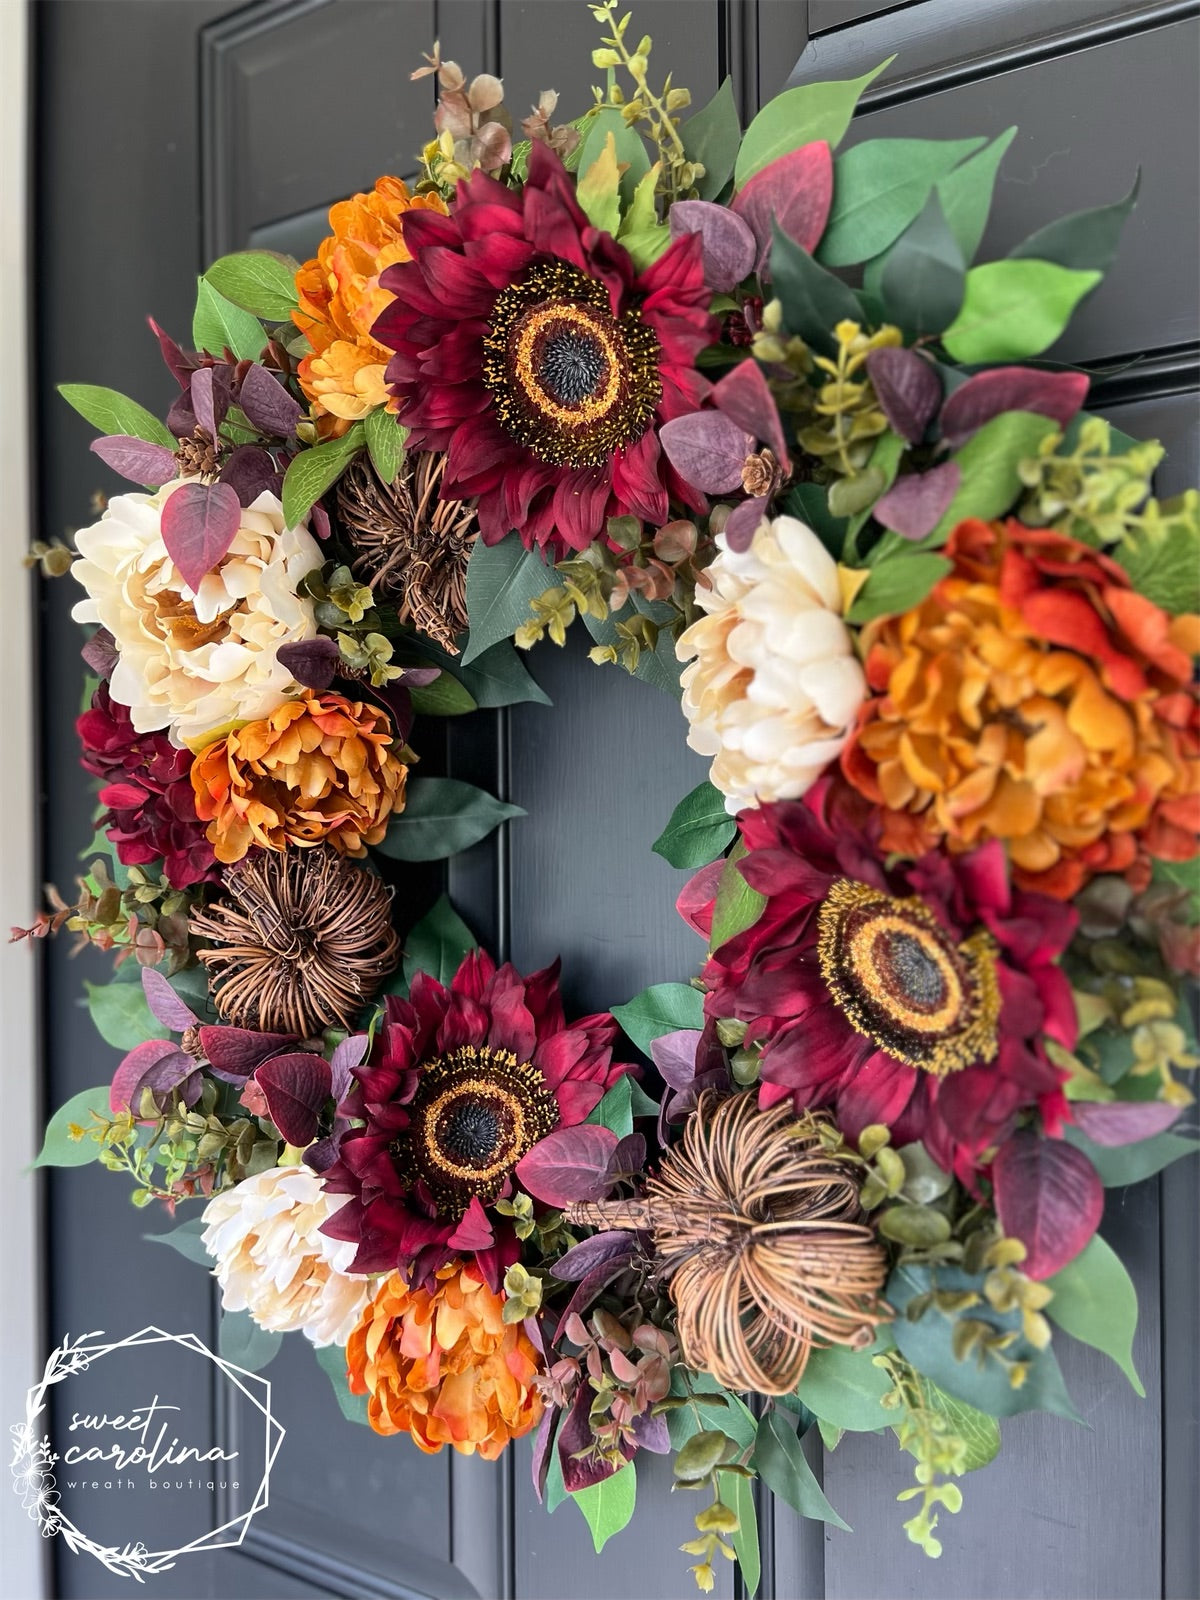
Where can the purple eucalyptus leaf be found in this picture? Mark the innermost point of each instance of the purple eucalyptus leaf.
(628, 1158)
(744, 395)
(568, 1164)
(708, 450)
(543, 1443)
(100, 653)
(908, 389)
(1049, 394)
(181, 419)
(192, 1088)
(203, 402)
(674, 1054)
(178, 363)
(322, 1153)
(651, 1433)
(598, 1251)
(233, 1053)
(796, 191)
(165, 1004)
(1117, 1122)
(744, 522)
(312, 662)
(418, 677)
(397, 701)
(137, 459)
(580, 1467)
(295, 1088)
(916, 503)
(728, 247)
(589, 1287)
(346, 1056)
(248, 472)
(267, 404)
(155, 1064)
(199, 523)
(318, 521)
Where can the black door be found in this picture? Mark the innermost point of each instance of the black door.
(171, 131)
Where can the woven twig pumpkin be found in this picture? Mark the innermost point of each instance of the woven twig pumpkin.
(759, 1231)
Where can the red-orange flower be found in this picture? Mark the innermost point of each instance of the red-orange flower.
(443, 1366)
(1033, 697)
(319, 768)
(340, 298)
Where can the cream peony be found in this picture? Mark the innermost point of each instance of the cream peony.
(775, 683)
(192, 663)
(274, 1262)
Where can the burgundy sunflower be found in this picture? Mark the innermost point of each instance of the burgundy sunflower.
(461, 1084)
(531, 350)
(918, 996)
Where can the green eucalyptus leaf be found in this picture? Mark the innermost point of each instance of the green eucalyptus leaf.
(1015, 309)
(438, 944)
(713, 137)
(780, 1461)
(738, 1494)
(441, 817)
(59, 1149)
(966, 194)
(813, 300)
(879, 187)
(801, 116)
(113, 412)
(608, 1506)
(218, 325)
(845, 1388)
(699, 830)
(662, 1008)
(1095, 1302)
(186, 1240)
(241, 1341)
(503, 580)
(331, 1359)
(258, 281)
(121, 1016)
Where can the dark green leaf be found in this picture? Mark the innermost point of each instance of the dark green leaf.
(313, 471)
(800, 116)
(498, 677)
(442, 816)
(218, 325)
(810, 503)
(121, 1016)
(712, 137)
(780, 1461)
(738, 906)
(813, 300)
(738, 1494)
(59, 1149)
(438, 944)
(879, 187)
(923, 280)
(502, 581)
(331, 1359)
(717, 1408)
(257, 281)
(385, 438)
(242, 1341)
(845, 1388)
(1014, 309)
(966, 194)
(444, 697)
(1086, 241)
(112, 412)
(1095, 1301)
(662, 1008)
(898, 583)
(699, 829)
(1121, 1165)
(624, 1101)
(186, 1239)
(607, 1506)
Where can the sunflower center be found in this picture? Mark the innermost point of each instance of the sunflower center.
(570, 381)
(475, 1114)
(901, 980)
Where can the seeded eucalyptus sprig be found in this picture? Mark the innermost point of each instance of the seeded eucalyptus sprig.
(653, 114)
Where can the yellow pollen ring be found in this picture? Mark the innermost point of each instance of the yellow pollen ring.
(486, 1091)
(588, 410)
(862, 956)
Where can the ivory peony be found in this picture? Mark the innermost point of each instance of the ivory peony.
(775, 683)
(192, 663)
(273, 1260)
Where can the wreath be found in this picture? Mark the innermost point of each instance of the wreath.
(738, 403)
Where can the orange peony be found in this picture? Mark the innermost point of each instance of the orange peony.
(1033, 697)
(319, 768)
(340, 298)
(444, 1366)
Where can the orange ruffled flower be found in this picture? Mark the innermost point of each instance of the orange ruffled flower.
(444, 1367)
(340, 298)
(319, 768)
(1033, 697)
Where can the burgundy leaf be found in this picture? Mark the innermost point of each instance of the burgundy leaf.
(397, 701)
(295, 1087)
(1116, 1122)
(1049, 394)
(569, 1164)
(745, 395)
(248, 471)
(100, 653)
(180, 367)
(319, 521)
(543, 1442)
(728, 247)
(199, 523)
(580, 1467)
(600, 1250)
(1048, 1195)
(136, 459)
(744, 522)
(346, 1056)
(418, 677)
(268, 404)
(589, 1287)
(908, 389)
(203, 401)
(628, 1158)
(312, 662)
(797, 191)
(235, 1052)
(707, 449)
(674, 1054)
(155, 1064)
(181, 419)
(165, 1004)
(915, 503)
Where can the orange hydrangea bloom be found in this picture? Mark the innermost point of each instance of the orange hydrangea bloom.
(444, 1366)
(319, 768)
(340, 298)
(1033, 697)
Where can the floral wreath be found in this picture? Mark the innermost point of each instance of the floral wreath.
(738, 403)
